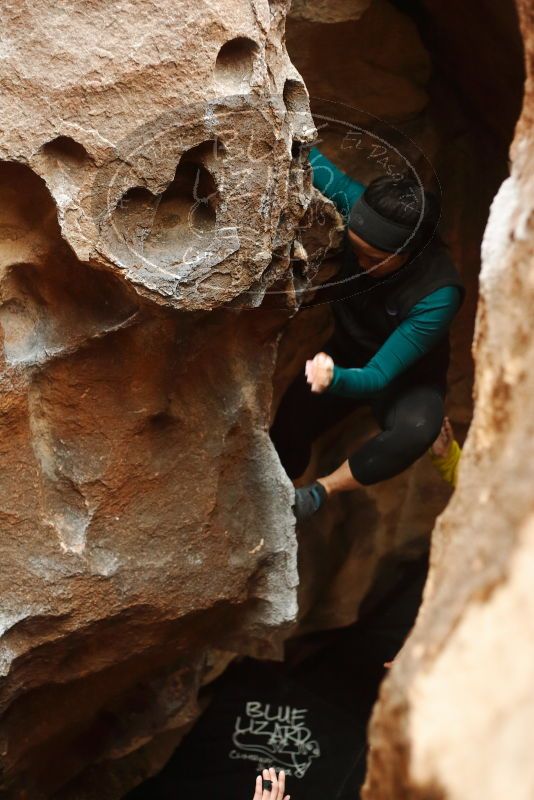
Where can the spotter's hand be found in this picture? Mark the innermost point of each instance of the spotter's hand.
(277, 790)
(319, 372)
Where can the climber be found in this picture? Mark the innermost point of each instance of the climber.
(397, 294)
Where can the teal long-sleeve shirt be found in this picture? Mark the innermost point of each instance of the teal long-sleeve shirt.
(427, 322)
(335, 184)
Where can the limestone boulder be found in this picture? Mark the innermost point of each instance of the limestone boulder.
(150, 192)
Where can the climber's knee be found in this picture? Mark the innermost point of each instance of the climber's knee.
(374, 461)
(420, 423)
(415, 421)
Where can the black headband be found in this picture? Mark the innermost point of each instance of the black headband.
(378, 231)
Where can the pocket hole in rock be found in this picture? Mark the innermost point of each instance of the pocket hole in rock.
(295, 97)
(183, 218)
(66, 150)
(234, 66)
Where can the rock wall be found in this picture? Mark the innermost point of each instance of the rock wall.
(454, 721)
(150, 189)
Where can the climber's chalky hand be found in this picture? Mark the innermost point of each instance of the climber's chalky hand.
(278, 785)
(319, 372)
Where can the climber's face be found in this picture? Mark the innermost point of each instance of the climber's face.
(376, 262)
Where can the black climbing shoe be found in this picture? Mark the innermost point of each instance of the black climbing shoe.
(308, 500)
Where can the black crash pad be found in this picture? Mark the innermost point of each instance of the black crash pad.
(260, 718)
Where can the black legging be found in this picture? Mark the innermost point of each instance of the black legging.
(409, 414)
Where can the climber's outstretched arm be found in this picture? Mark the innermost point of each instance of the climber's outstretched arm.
(335, 184)
(427, 322)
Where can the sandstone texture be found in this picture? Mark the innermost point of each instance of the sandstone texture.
(455, 717)
(150, 190)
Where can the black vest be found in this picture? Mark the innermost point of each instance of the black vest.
(371, 308)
